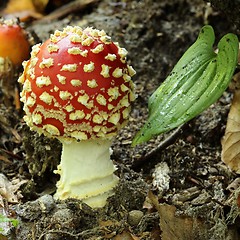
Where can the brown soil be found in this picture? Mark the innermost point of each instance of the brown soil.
(201, 201)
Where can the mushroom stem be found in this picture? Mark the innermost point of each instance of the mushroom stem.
(86, 172)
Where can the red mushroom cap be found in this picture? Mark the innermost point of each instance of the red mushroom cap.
(77, 85)
(14, 42)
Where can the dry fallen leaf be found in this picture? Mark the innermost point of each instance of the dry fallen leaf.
(14, 6)
(2, 237)
(174, 227)
(178, 227)
(23, 11)
(231, 139)
(9, 190)
(38, 9)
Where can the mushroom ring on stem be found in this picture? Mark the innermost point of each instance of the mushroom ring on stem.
(77, 87)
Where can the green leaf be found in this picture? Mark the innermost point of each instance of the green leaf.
(198, 80)
(4, 219)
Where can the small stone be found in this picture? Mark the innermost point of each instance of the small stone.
(50, 236)
(64, 219)
(46, 203)
(134, 217)
(33, 210)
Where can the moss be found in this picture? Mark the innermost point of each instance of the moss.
(42, 156)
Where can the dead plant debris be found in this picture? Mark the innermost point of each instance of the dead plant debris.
(201, 195)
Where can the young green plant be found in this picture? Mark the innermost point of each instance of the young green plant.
(197, 81)
(4, 219)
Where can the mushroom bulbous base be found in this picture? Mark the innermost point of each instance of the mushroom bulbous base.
(86, 172)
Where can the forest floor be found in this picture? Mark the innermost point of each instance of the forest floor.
(176, 190)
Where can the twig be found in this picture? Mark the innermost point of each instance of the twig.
(165, 143)
(76, 236)
(71, 7)
(11, 154)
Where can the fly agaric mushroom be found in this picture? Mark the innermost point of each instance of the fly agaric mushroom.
(13, 42)
(77, 87)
